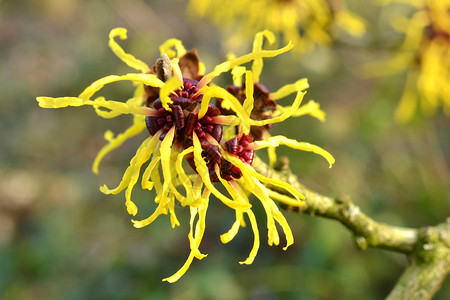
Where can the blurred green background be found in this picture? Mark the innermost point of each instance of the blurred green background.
(60, 238)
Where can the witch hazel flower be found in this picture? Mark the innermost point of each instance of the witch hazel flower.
(192, 145)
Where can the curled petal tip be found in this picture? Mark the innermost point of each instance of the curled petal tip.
(137, 224)
(104, 189)
(131, 208)
(118, 31)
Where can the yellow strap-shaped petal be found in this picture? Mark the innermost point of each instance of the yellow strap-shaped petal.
(243, 166)
(165, 48)
(237, 71)
(194, 239)
(128, 172)
(285, 199)
(137, 100)
(141, 158)
(166, 163)
(286, 114)
(272, 154)
(230, 102)
(166, 150)
(299, 85)
(161, 209)
(184, 179)
(230, 234)
(176, 69)
(257, 65)
(182, 270)
(173, 217)
(105, 113)
(204, 104)
(203, 171)
(201, 223)
(275, 141)
(131, 175)
(248, 102)
(173, 189)
(145, 182)
(147, 79)
(192, 242)
(311, 108)
(233, 191)
(254, 251)
(260, 192)
(127, 58)
(228, 65)
(171, 85)
(278, 216)
(118, 108)
(164, 196)
(238, 193)
(115, 142)
(155, 176)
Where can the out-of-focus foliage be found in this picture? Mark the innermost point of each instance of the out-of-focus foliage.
(60, 238)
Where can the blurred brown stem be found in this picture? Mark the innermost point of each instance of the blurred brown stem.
(428, 249)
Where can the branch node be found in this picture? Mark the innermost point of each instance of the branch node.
(361, 243)
(427, 246)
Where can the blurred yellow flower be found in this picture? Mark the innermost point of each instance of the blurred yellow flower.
(172, 101)
(425, 55)
(305, 22)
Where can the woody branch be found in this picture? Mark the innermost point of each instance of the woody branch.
(428, 248)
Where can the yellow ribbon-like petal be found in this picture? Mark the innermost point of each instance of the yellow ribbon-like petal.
(203, 171)
(278, 216)
(260, 192)
(147, 79)
(299, 85)
(171, 85)
(254, 251)
(275, 141)
(129, 59)
(248, 102)
(286, 114)
(228, 65)
(257, 65)
(184, 179)
(194, 238)
(243, 166)
(233, 191)
(133, 171)
(115, 142)
(165, 48)
(145, 182)
(231, 103)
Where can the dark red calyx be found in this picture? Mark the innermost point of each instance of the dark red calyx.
(244, 154)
